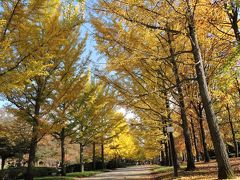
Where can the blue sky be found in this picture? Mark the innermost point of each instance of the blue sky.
(97, 60)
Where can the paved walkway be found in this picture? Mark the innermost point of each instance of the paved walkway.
(134, 172)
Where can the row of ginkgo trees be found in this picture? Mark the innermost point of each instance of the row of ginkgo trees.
(156, 49)
(45, 76)
(161, 49)
(53, 42)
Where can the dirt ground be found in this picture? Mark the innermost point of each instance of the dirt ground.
(203, 171)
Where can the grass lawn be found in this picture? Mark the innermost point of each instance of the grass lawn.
(55, 178)
(69, 176)
(203, 171)
(83, 174)
(161, 169)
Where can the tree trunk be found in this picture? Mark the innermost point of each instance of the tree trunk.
(165, 143)
(170, 153)
(94, 156)
(232, 130)
(162, 158)
(20, 158)
(32, 153)
(183, 156)
(102, 155)
(195, 140)
(174, 155)
(235, 27)
(188, 145)
(171, 141)
(3, 162)
(224, 168)
(34, 140)
(81, 158)
(166, 154)
(233, 17)
(204, 144)
(237, 85)
(62, 138)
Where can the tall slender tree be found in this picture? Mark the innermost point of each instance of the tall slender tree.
(41, 95)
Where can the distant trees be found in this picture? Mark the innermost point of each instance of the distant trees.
(94, 116)
(6, 150)
(14, 138)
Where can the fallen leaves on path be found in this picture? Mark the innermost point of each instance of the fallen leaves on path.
(203, 171)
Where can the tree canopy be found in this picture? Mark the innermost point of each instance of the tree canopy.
(171, 64)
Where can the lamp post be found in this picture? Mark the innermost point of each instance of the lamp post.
(170, 131)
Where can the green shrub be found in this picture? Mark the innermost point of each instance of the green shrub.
(18, 173)
(12, 173)
(44, 171)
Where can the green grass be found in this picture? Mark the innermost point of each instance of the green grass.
(82, 174)
(70, 176)
(163, 169)
(54, 178)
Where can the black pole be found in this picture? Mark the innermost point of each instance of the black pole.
(174, 155)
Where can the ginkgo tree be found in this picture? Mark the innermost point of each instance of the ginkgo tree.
(22, 49)
(43, 93)
(123, 144)
(145, 70)
(172, 63)
(64, 127)
(134, 33)
(93, 114)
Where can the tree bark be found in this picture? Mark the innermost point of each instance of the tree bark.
(63, 166)
(3, 162)
(183, 156)
(94, 156)
(235, 27)
(34, 140)
(203, 137)
(165, 143)
(171, 141)
(232, 130)
(174, 155)
(20, 158)
(32, 153)
(188, 145)
(233, 18)
(81, 158)
(166, 154)
(237, 85)
(102, 155)
(162, 157)
(170, 152)
(195, 140)
(224, 168)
